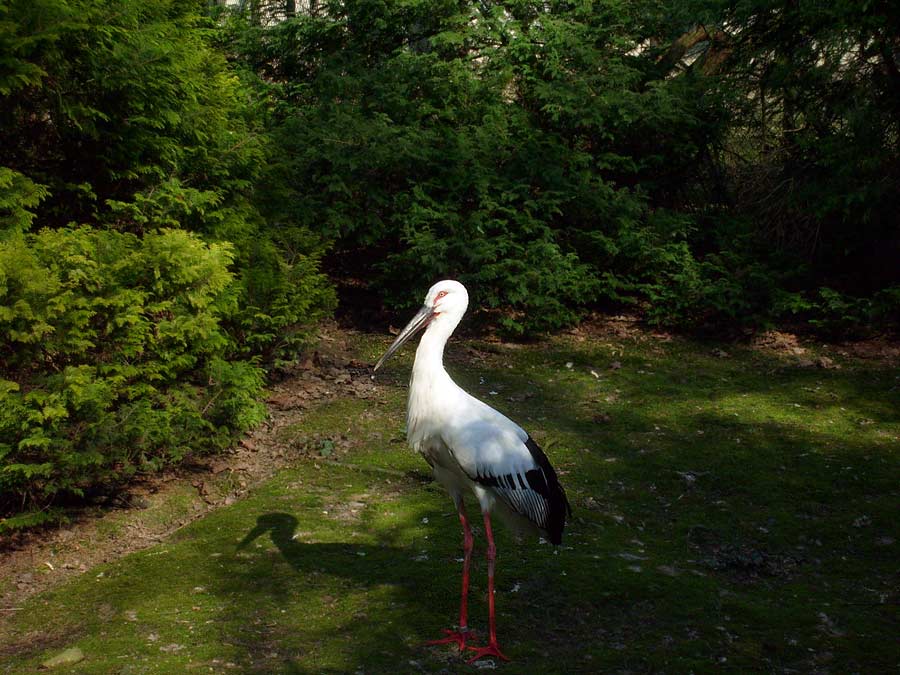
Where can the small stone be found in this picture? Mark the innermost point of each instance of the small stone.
(139, 502)
(65, 658)
(631, 556)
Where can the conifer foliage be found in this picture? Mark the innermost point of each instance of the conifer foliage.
(141, 290)
(712, 163)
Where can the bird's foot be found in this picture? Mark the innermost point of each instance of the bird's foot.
(492, 649)
(457, 636)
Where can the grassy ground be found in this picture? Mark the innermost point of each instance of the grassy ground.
(733, 513)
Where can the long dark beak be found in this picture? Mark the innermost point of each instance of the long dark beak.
(418, 322)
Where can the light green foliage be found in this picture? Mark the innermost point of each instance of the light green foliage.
(113, 358)
(280, 300)
(18, 195)
(135, 123)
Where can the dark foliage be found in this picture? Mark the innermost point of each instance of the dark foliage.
(714, 163)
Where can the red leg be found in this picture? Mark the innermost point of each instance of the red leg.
(460, 636)
(492, 648)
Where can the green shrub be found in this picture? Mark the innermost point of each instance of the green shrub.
(18, 195)
(841, 315)
(694, 159)
(121, 114)
(113, 359)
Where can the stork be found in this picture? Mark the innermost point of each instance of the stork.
(472, 448)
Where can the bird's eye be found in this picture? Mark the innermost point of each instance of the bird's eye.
(441, 295)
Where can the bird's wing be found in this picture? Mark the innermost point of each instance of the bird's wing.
(494, 454)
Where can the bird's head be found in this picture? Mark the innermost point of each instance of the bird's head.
(448, 299)
(445, 304)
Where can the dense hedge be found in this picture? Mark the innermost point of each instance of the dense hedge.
(142, 292)
(113, 359)
(709, 163)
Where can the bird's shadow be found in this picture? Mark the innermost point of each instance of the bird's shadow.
(416, 595)
(365, 564)
(389, 627)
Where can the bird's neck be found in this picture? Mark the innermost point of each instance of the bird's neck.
(431, 389)
(427, 387)
(429, 363)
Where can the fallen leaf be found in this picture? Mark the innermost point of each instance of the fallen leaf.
(65, 658)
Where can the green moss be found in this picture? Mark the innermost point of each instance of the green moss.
(730, 512)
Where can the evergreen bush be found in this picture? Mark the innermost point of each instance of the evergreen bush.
(113, 359)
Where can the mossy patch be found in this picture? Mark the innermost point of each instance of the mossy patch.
(729, 512)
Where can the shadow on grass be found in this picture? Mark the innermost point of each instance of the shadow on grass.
(389, 603)
(375, 609)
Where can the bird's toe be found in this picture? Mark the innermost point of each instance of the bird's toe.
(458, 637)
(492, 649)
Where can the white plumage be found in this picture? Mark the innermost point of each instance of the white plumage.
(473, 448)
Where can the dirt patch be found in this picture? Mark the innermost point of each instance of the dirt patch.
(880, 350)
(618, 327)
(779, 342)
(741, 561)
(144, 515)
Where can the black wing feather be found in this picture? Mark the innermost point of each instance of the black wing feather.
(542, 500)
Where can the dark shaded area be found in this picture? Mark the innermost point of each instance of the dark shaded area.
(715, 164)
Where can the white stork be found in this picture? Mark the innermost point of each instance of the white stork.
(473, 448)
